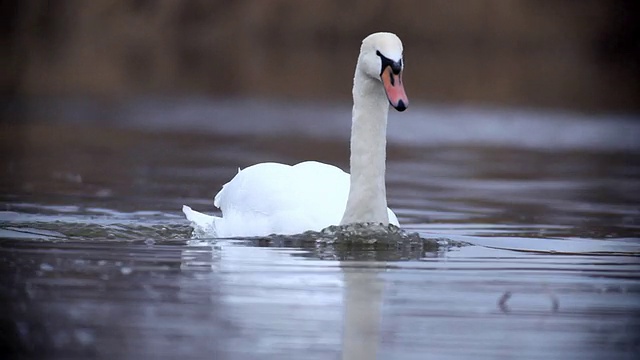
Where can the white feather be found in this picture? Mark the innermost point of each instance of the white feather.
(273, 198)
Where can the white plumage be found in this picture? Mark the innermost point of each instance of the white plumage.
(273, 198)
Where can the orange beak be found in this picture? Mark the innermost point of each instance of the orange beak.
(394, 88)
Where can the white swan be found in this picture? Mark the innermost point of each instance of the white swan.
(272, 198)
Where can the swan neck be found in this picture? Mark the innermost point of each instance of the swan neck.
(367, 201)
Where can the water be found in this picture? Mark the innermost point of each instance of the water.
(96, 260)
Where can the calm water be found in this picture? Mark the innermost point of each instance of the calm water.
(96, 260)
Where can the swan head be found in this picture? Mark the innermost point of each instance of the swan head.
(381, 58)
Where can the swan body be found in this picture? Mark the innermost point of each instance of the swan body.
(273, 198)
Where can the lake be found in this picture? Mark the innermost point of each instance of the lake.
(97, 260)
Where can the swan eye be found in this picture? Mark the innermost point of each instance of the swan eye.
(396, 66)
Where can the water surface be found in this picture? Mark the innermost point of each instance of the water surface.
(96, 260)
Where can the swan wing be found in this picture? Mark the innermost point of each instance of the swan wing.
(271, 198)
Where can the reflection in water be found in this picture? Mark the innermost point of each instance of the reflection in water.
(233, 299)
(361, 287)
(362, 310)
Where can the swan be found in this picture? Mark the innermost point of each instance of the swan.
(272, 198)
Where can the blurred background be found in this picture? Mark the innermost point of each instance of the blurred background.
(523, 134)
(576, 55)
